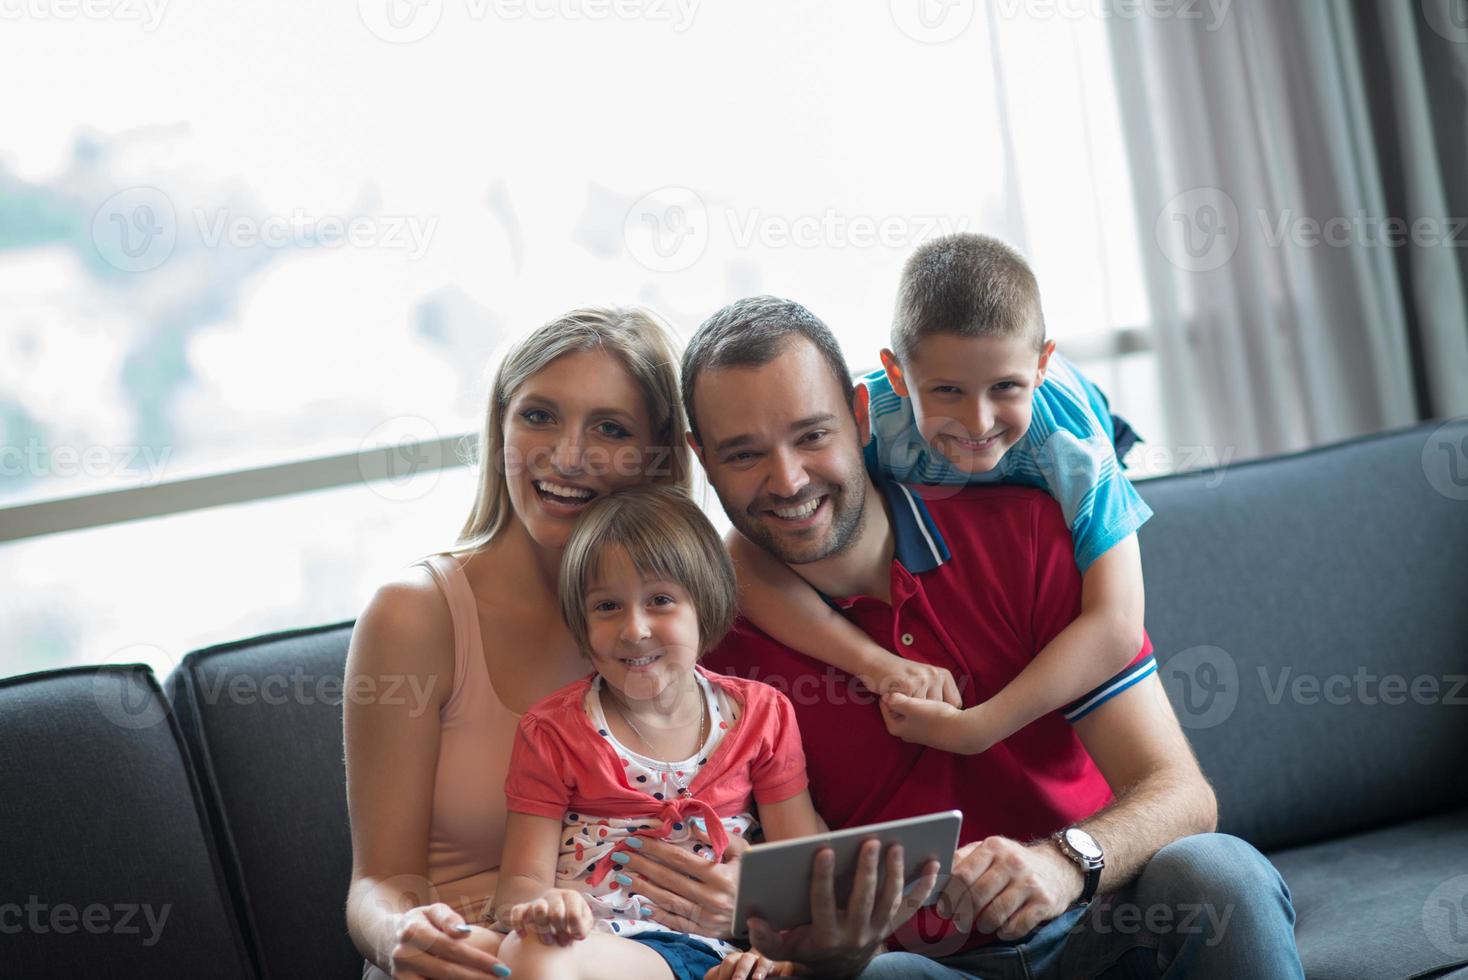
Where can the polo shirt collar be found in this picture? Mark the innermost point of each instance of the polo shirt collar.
(917, 545)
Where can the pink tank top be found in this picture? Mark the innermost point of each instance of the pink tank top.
(467, 829)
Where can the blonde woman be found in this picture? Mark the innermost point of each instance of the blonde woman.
(587, 404)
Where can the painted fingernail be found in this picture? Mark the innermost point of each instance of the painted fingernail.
(623, 880)
(698, 822)
(634, 842)
(620, 858)
(645, 912)
(461, 927)
(500, 970)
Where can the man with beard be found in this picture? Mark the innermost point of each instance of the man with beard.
(1102, 801)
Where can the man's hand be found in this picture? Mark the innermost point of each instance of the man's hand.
(1003, 887)
(940, 725)
(840, 941)
(887, 673)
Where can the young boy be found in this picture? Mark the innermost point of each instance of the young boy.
(972, 392)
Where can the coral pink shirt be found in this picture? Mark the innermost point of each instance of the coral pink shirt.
(561, 762)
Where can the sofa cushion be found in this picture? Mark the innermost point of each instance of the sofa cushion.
(264, 720)
(1310, 615)
(107, 866)
(1383, 904)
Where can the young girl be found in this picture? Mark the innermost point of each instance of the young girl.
(649, 746)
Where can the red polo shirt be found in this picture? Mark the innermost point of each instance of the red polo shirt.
(982, 579)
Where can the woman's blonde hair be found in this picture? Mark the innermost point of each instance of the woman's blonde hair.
(646, 349)
(666, 537)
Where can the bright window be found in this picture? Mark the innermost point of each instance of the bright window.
(236, 235)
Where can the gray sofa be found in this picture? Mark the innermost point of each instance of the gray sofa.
(1310, 614)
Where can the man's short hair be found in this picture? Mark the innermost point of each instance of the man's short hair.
(965, 285)
(752, 332)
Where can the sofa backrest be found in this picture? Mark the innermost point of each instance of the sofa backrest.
(263, 718)
(1281, 595)
(1310, 616)
(106, 865)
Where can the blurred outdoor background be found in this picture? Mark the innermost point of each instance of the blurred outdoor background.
(246, 248)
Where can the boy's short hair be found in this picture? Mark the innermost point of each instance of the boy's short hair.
(752, 332)
(666, 536)
(965, 285)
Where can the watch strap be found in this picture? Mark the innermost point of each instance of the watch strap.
(1090, 868)
(1093, 879)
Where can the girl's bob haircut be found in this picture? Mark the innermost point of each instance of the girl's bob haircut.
(665, 536)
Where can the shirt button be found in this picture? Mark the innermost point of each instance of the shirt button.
(907, 639)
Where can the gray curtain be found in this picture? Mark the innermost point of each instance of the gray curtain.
(1271, 146)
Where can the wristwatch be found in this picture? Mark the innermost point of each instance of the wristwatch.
(1082, 848)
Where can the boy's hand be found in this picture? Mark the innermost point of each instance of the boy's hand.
(750, 966)
(939, 725)
(890, 673)
(561, 916)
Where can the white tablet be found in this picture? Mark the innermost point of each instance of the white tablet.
(774, 879)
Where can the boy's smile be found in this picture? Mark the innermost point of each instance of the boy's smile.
(972, 397)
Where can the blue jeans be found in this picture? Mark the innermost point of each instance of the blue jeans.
(1205, 906)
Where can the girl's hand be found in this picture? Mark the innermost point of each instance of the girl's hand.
(561, 916)
(430, 942)
(749, 966)
(689, 893)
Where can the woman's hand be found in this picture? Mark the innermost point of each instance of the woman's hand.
(432, 942)
(749, 966)
(689, 893)
(560, 916)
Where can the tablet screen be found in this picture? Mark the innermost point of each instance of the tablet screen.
(774, 878)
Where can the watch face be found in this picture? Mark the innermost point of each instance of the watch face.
(1083, 843)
